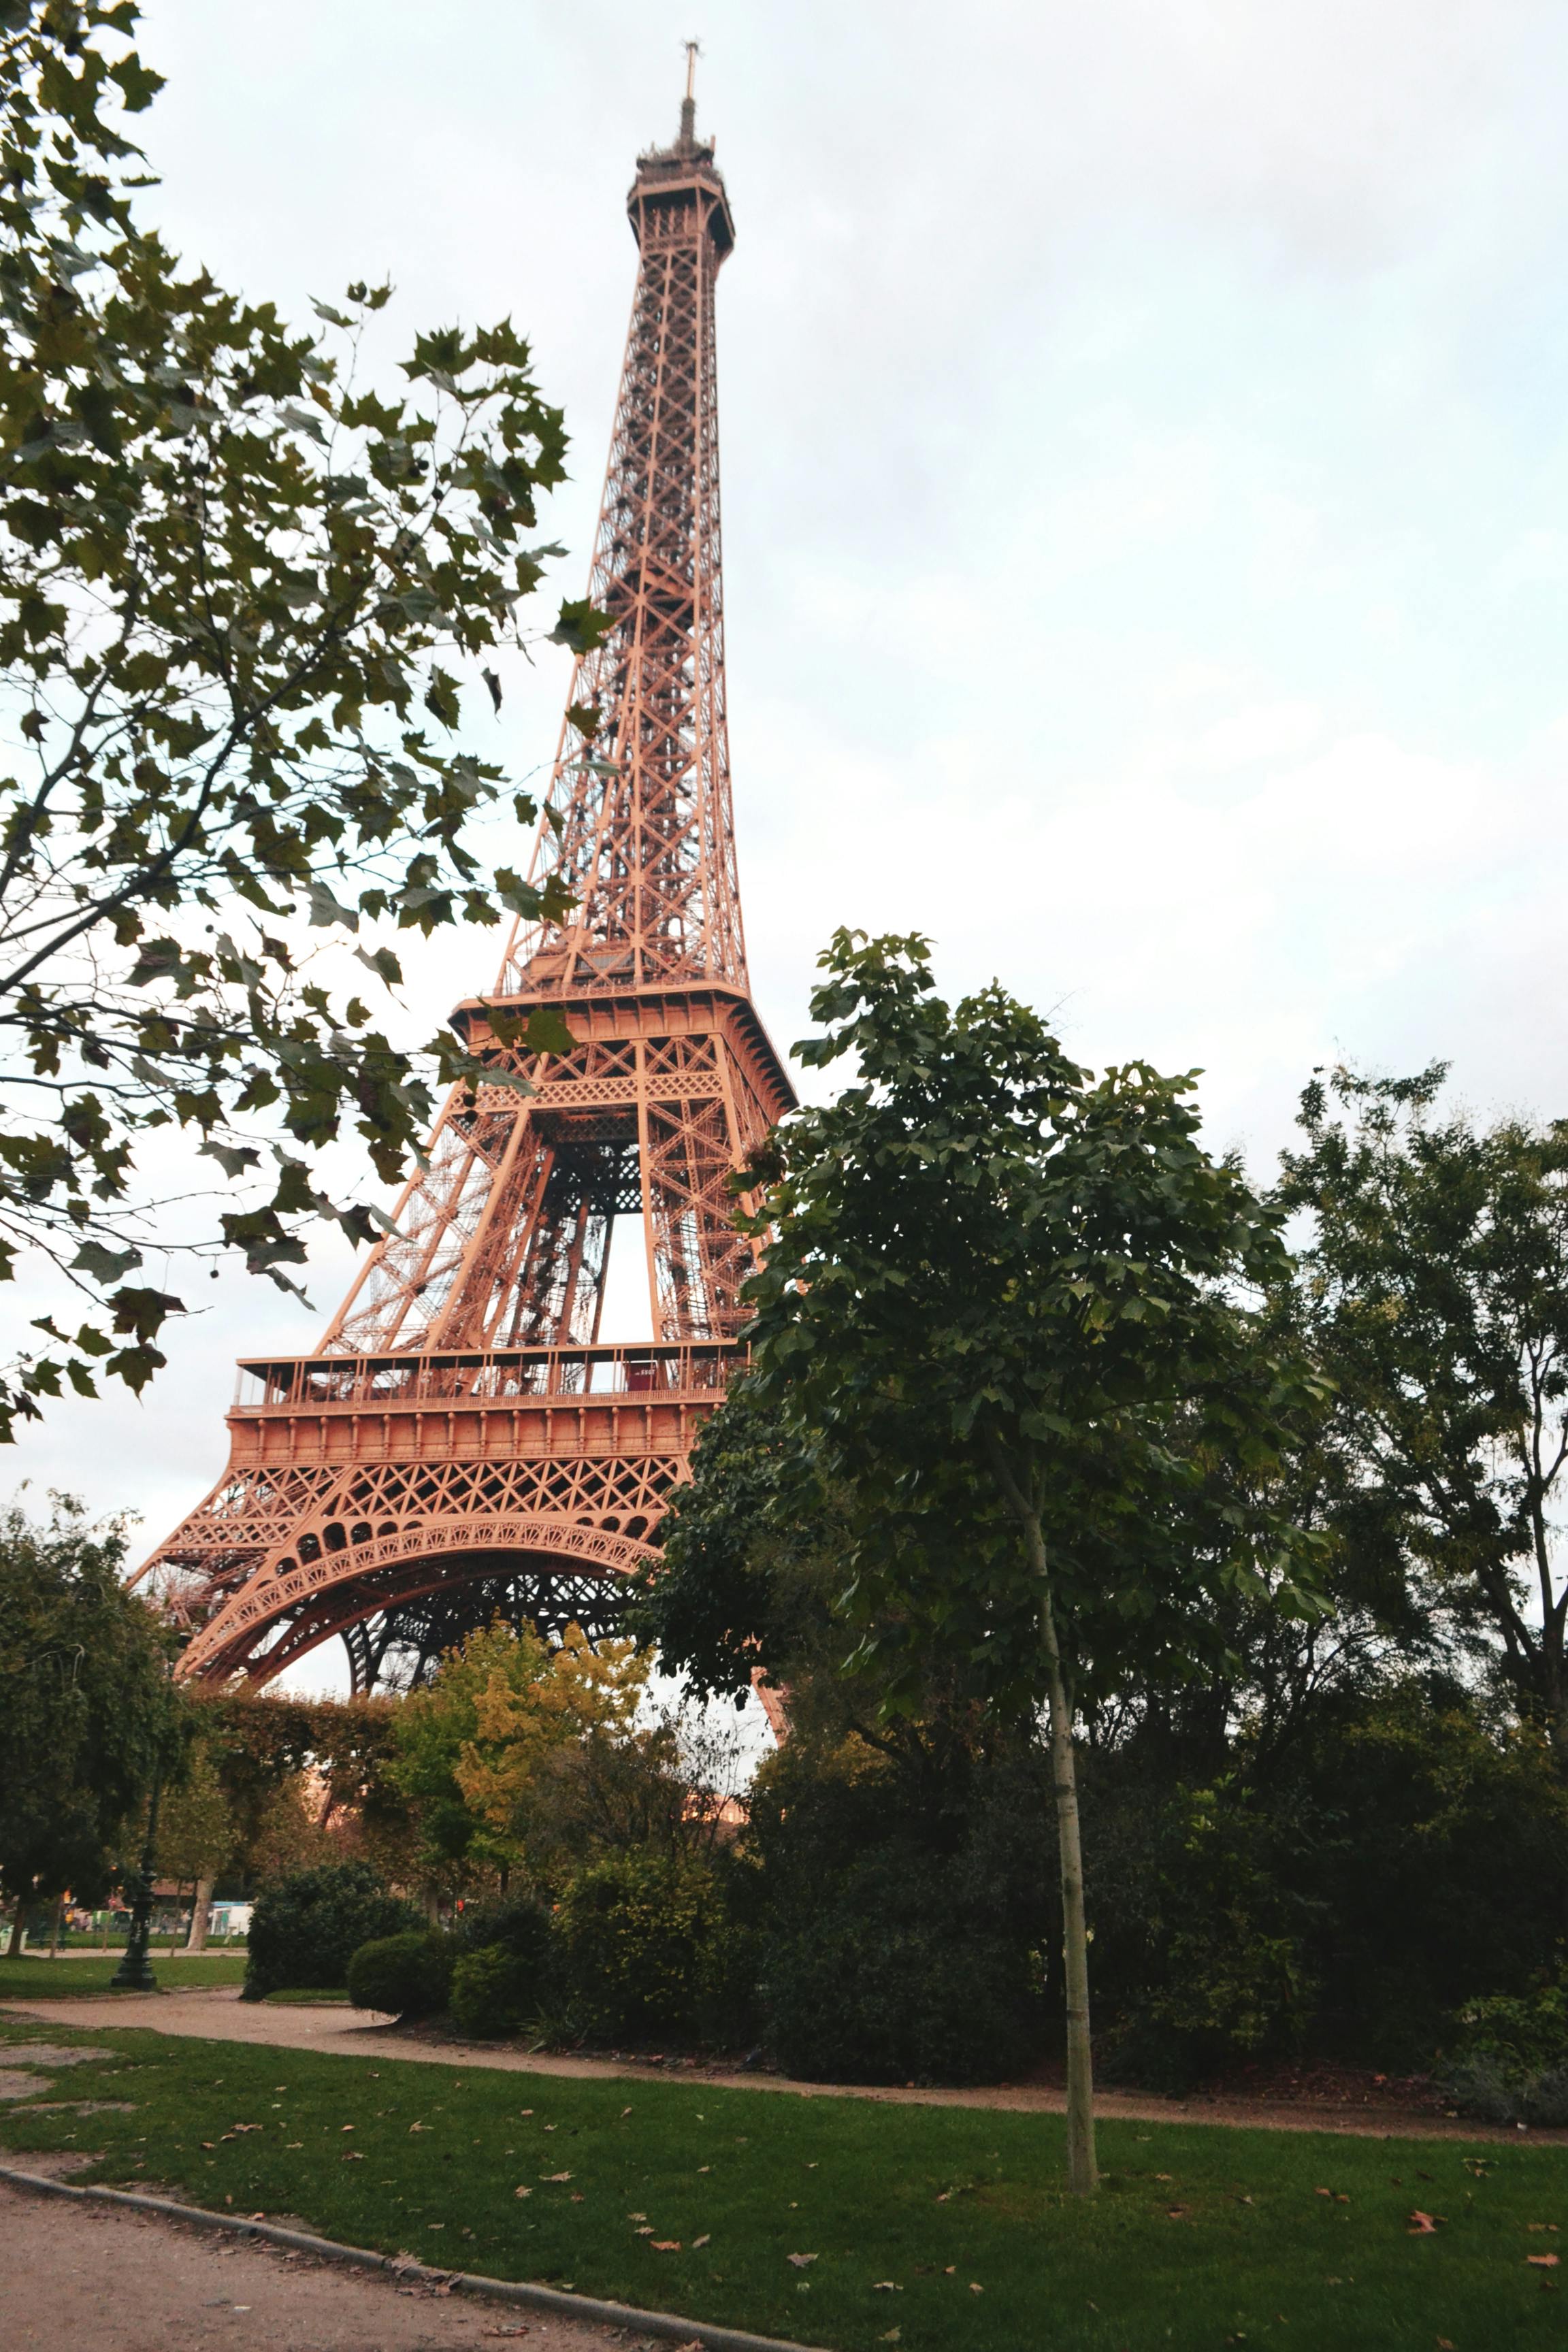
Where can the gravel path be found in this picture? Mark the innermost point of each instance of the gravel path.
(117, 2281)
(217, 2013)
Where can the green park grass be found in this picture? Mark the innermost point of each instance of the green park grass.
(39, 1979)
(930, 2227)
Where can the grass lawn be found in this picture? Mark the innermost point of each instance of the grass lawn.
(928, 2227)
(35, 1978)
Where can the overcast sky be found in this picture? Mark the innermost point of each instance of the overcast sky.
(1145, 456)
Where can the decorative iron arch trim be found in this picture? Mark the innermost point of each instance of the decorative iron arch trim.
(279, 1588)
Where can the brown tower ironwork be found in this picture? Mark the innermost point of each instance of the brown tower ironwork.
(460, 1443)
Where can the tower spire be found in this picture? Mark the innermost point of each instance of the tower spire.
(689, 103)
(461, 1445)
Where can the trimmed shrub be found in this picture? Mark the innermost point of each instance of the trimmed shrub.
(494, 1991)
(409, 1974)
(646, 1947)
(519, 1922)
(896, 1981)
(305, 1930)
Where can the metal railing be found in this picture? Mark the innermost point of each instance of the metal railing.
(684, 1368)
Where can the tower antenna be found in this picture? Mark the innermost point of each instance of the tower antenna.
(689, 103)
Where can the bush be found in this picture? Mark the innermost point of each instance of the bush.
(896, 1983)
(1511, 2064)
(305, 1930)
(494, 1991)
(646, 1947)
(906, 1907)
(409, 1974)
(519, 1922)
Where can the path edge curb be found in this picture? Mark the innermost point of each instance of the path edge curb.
(302, 2242)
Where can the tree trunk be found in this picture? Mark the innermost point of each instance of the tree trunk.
(1083, 2175)
(54, 1930)
(19, 1930)
(201, 1914)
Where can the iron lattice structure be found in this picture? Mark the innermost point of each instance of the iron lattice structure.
(460, 1443)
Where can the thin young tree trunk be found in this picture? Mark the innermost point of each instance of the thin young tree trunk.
(1082, 2172)
(1083, 2175)
(200, 1916)
(54, 1930)
(18, 1930)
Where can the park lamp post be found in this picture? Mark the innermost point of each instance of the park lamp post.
(135, 1972)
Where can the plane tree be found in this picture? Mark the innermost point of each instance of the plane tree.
(1016, 1315)
(245, 590)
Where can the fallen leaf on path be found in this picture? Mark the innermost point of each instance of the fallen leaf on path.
(800, 2261)
(666, 2245)
(555, 2175)
(887, 2286)
(975, 2287)
(1422, 2225)
(1544, 2262)
(523, 2192)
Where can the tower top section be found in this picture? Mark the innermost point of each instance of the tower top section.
(638, 825)
(671, 177)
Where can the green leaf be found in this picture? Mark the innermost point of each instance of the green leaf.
(581, 627)
(104, 1265)
(547, 1031)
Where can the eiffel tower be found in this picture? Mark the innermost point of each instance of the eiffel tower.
(461, 1445)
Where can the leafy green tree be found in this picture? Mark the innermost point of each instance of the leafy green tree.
(750, 1567)
(1003, 1303)
(195, 1835)
(1433, 1290)
(243, 595)
(87, 1712)
(475, 1750)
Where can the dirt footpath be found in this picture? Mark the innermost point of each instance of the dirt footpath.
(217, 2013)
(108, 2281)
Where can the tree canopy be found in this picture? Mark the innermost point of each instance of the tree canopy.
(244, 594)
(1433, 1290)
(87, 1711)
